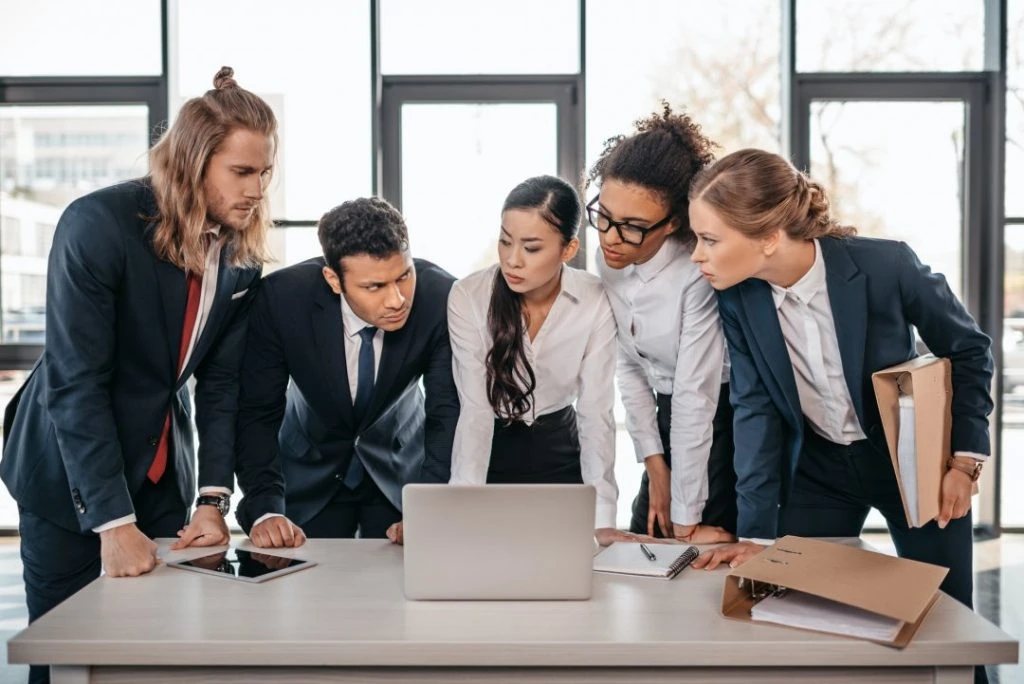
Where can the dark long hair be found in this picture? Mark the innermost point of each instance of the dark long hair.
(510, 379)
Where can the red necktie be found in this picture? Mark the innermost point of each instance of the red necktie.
(195, 286)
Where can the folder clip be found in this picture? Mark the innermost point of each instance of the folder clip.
(761, 590)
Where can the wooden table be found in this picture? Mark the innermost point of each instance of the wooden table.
(346, 620)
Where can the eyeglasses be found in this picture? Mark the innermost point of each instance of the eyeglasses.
(628, 233)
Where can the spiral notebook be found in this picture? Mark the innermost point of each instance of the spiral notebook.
(627, 558)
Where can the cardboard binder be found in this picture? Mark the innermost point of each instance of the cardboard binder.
(897, 588)
(927, 380)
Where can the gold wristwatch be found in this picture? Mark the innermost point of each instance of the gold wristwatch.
(972, 471)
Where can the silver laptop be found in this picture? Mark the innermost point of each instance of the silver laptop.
(498, 541)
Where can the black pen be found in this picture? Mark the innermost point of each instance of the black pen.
(647, 552)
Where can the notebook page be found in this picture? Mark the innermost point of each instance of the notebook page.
(797, 609)
(627, 558)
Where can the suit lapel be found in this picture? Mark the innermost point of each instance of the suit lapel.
(329, 334)
(847, 293)
(227, 277)
(767, 336)
(170, 282)
(173, 292)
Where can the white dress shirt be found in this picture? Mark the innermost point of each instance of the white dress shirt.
(207, 293)
(573, 359)
(352, 324)
(670, 342)
(805, 316)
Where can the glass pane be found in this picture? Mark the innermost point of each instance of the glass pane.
(459, 161)
(1013, 378)
(10, 381)
(312, 67)
(48, 157)
(80, 38)
(473, 37)
(868, 155)
(881, 35)
(728, 51)
(1015, 109)
(291, 245)
(718, 60)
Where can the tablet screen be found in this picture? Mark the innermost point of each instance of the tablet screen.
(242, 564)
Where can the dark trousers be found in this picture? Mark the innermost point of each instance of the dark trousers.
(545, 452)
(58, 562)
(835, 487)
(364, 512)
(720, 508)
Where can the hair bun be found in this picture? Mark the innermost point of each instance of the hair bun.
(224, 78)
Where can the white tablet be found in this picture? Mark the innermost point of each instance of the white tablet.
(247, 566)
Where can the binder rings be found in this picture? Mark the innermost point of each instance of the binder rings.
(829, 587)
(627, 558)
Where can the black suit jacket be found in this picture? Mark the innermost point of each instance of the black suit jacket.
(296, 430)
(83, 429)
(878, 290)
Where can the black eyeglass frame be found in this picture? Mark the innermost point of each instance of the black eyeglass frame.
(592, 210)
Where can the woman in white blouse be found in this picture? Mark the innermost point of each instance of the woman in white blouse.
(532, 337)
(673, 370)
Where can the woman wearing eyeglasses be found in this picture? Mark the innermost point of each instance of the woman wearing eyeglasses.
(530, 338)
(672, 367)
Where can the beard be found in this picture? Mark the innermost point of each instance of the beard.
(229, 219)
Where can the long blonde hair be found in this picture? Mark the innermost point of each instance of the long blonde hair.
(178, 162)
(757, 192)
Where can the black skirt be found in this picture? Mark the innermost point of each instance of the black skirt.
(546, 452)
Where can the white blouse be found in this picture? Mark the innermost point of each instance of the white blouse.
(573, 359)
(670, 342)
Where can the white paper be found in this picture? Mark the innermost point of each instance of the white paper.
(906, 455)
(797, 609)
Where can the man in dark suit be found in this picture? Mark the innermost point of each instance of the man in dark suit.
(144, 291)
(332, 422)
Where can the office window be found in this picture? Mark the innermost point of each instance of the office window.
(473, 37)
(1015, 109)
(718, 61)
(10, 234)
(881, 35)
(34, 190)
(311, 62)
(80, 38)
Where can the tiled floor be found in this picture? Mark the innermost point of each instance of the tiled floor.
(999, 595)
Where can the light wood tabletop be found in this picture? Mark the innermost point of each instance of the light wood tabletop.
(349, 611)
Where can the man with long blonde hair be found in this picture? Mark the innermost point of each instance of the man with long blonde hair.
(149, 284)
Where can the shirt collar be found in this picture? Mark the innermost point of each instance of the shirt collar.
(807, 287)
(351, 323)
(669, 251)
(570, 285)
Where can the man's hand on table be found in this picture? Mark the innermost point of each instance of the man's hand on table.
(733, 554)
(126, 552)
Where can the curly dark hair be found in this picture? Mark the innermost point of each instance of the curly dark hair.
(663, 154)
(368, 225)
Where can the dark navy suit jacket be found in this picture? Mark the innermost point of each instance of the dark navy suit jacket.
(878, 289)
(83, 429)
(296, 433)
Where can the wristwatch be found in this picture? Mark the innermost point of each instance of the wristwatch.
(221, 501)
(972, 471)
